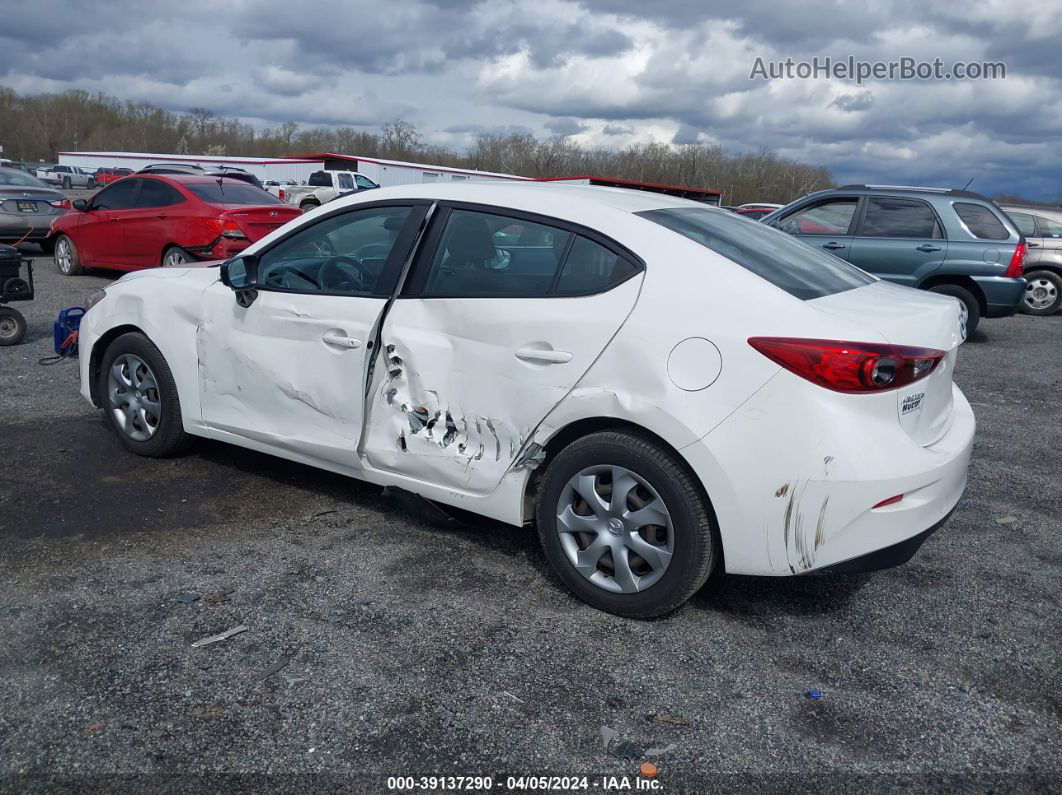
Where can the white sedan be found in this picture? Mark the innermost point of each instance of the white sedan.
(663, 387)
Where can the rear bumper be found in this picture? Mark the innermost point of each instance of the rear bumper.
(219, 249)
(885, 558)
(31, 227)
(1003, 296)
(794, 476)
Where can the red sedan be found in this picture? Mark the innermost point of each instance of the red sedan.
(145, 221)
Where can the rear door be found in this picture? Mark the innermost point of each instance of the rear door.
(1026, 224)
(1050, 231)
(828, 223)
(99, 235)
(898, 239)
(147, 226)
(486, 338)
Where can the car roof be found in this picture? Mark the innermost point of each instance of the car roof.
(1054, 212)
(548, 198)
(906, 190)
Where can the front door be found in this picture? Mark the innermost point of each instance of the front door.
(99, 235)
(899, 239)
(499, 319)
(289, 371)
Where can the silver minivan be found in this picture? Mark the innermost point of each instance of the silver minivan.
(1043, 264)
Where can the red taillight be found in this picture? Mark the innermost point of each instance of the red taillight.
(281, 195)
(231, 229)
(1017, 261)
(889, 501)
(850, 366)
(62, 204)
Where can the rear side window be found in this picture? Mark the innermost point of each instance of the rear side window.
(1049, 227)
(892, 217)
(981, 221)
(800, 269)
(231, 192)
(345, 182)
(1025, 223)
(157, 194)
(590, 267)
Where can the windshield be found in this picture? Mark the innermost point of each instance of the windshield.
(800, 269)
(11, 176)
(229, 191)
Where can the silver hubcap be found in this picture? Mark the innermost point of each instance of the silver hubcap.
(8, 327)
(615, 529)
(63, 256)
(1040, 293)
(134, 397)
(174, 258)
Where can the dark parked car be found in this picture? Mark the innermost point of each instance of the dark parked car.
(146, 220)
(193, 169)
(27, 208)
(1043, 267)
(952, 242)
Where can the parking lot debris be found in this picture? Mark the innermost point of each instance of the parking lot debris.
(276, 667)
(188, 597)
(660, 751)
(628, 750)
(228, 633)
(608, 735)
(1006, 520)
(96, 726)
(217, 597)
(668, 720)
(647, 770)
(814, 695)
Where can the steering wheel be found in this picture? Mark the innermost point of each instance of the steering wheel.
(337, 272)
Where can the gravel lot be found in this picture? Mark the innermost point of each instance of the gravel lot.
(418, 647)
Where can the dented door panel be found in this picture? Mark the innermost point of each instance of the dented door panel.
(288, 371)
(464, 382)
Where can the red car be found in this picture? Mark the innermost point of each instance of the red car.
(105, 176)
(755, 213)
(145, 221)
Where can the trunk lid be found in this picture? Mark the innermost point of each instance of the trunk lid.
(905, 316)
(257, 222)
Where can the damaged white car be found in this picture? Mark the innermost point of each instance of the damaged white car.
(663, 387)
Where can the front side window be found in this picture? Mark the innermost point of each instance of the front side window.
(981, 221)
(364, 182)
(893, 217)
(344, 254)
(802, 270)
(831, 217)
(118, 196)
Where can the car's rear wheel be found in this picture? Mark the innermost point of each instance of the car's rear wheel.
(12, 326)
(1043, 293)
(91, 184)
(969, 301)
(625, 526)
(66, 258)
(175, 256)
(139, 397)
(66, 183)
(307, 206)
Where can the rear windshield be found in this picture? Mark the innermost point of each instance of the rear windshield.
(800, 269)
(13, 177)
(981, 221)
(232, 192)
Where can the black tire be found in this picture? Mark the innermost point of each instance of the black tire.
(1047, 276)
(74, 267)
(973, 309)
(66, 183)
(91, 184)
(12, 326)
(696, 548)
(169, 438)
(311, 205)
(47, 246)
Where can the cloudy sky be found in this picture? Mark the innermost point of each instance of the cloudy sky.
(608, 72)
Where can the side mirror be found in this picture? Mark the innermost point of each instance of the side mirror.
(240, 274)
(80, 204)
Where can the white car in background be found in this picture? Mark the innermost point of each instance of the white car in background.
(663, 387)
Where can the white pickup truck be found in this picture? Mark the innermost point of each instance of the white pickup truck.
(67, 177)
(323, 186)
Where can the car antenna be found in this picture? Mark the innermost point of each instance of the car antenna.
(967, 185)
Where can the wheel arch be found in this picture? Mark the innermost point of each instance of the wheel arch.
(96, 356)
(958, 280)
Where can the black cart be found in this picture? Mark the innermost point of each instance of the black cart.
(13, 287)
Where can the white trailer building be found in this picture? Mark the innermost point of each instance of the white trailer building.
(280, 169)
(400, 172)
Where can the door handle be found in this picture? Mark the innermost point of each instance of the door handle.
(339, 341)
(926, 248)
(162, 215)
(1033, 245)
(831, 246)
(547, 355)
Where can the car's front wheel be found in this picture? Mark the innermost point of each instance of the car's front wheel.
(139, 397)
(66, 259)
(625, 526)
(1043, 293)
